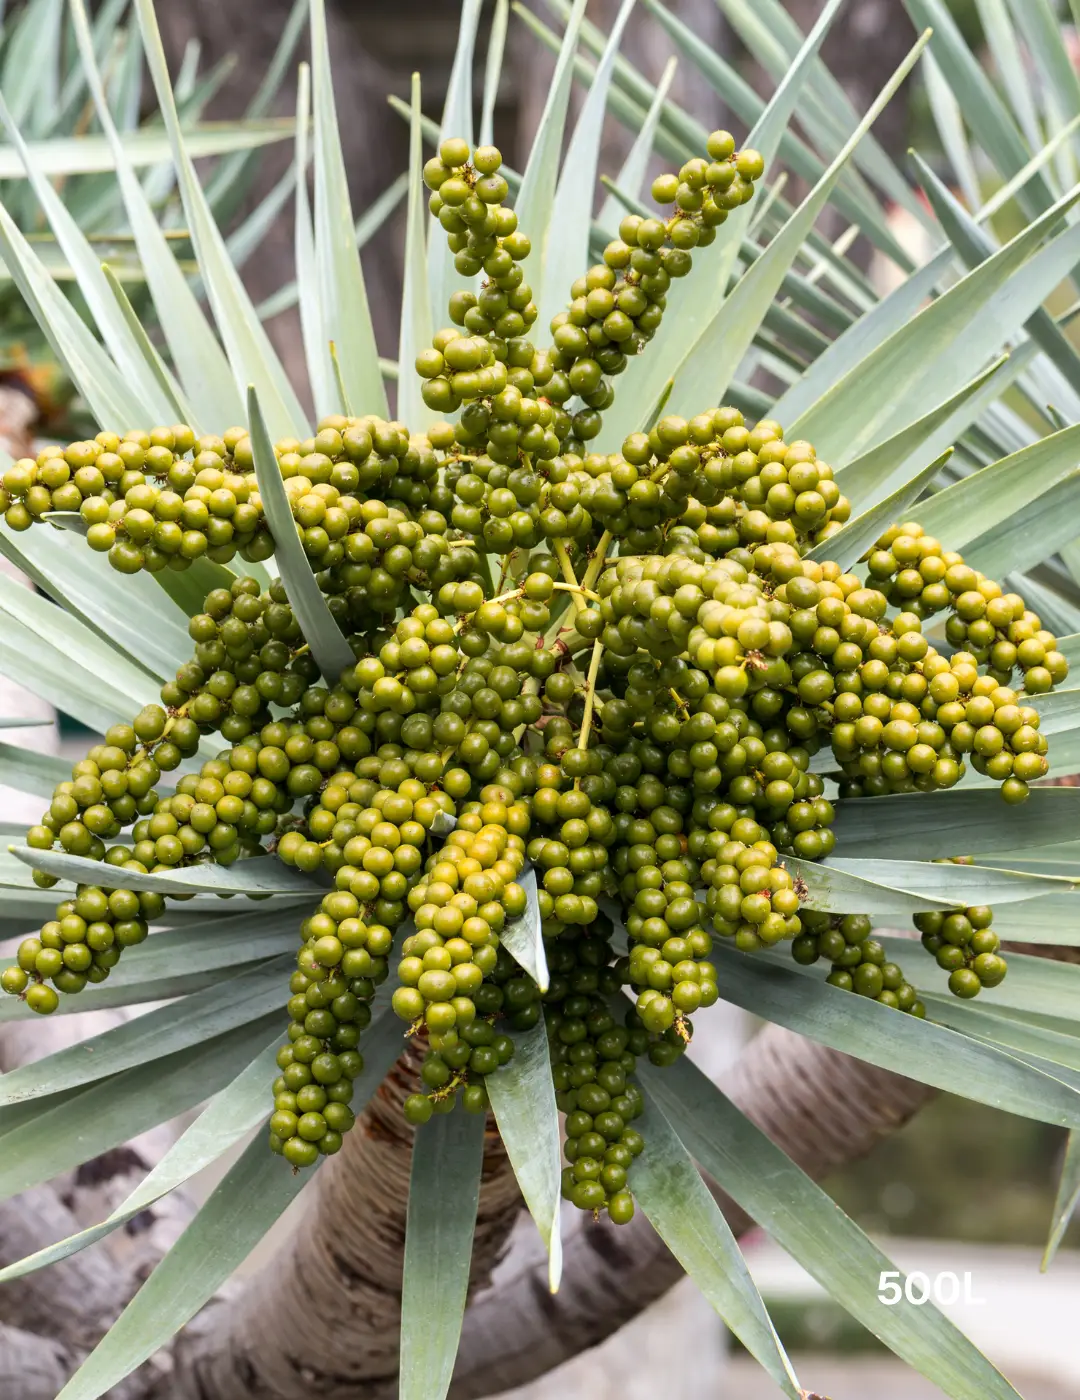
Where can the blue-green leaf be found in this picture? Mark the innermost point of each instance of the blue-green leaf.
(416, 326)
(868, 480)
(44, 1137)
(966, 510)
(346, 314)
(320, 367)
(1068, 1196)
(247, 1203)
(864, 1028)
(97, 378)
(328, 645)
(27, 771)
(681, 1209)
(938, 350)
(48, 672)
(59, 635)
(129, 610)
(803, 1220)
(163, 376)
(707, 374)
(566, 251)
(523, 938)
(631, 177)
(523, 1100)
(196, 353)
(263, 875)
(232, 1002)
(234, 1112)
(457, 120)
(143, 390)
(980, 104)
(250, 352)
(448, 1154)
(852, 540)
(536, 197)
(957, 822)
(975, 246)
(707, 330)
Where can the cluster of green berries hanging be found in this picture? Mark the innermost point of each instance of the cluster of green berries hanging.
(965, 946)
(582, 682)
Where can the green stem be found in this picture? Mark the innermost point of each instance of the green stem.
(568, 573)
(590, 694)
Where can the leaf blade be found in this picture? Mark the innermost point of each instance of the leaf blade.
(328, 644)
(448, 1154)
(523, 1100)
(681, 1210)
(346, 313)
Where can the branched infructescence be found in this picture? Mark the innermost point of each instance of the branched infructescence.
(611, 669)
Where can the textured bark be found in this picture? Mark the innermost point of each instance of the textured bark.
(325, 1318)
(32, 1368)
(821, 1107)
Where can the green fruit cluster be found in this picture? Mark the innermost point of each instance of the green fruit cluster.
(593, 1059)
(604, 677)
(965, 946)
(859, 963)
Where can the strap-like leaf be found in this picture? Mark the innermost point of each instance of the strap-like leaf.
(444, 1191)
(936, 352)
(523, 938)
(536, 198)
(250, 352)
(416, 325)
(700, 324)
(49, 673)
(861, 1027)
(65, 636)
(1068, 1195)
(328, 645)
(29, 771)
(957, 822)
(975, 246)
(871, 477)
(680, 1207)
(941, 881)
(963, 512)
(202, 366)
(1040, 986)
(802, 1218)
(566, 253)
(264, 875)
(982, 108)
(231, 1002)
(631, 177)
(241, 1210)
(346, 314)
(523, 1101)
(129, 610)
(143, 389)
(853, 540)
(239, 1108)
(320, 367)
(44, 1137)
